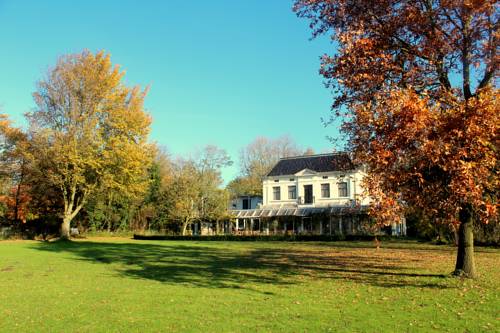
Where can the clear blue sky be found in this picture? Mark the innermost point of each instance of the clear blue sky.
(221, 72)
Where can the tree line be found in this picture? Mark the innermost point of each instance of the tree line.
(85, 159)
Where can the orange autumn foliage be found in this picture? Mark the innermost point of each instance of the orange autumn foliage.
(17, 203)
(432, 157)
(414, 85)
(14, 157)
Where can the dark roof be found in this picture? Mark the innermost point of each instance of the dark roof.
(318, 163)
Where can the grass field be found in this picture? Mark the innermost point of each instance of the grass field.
(121, 285)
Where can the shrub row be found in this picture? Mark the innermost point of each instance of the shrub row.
(252, 238)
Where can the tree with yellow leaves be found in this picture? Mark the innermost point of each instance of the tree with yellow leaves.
(89, 131)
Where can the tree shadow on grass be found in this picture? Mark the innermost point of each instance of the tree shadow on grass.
(392, 268)
(248, 267)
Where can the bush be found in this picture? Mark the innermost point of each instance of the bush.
(487, 234)
(253, 238)
(421, 227)
(104, 233)
(42, 228)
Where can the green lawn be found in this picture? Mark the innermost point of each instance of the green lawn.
(122, 285)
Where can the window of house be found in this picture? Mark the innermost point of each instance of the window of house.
(325, 190)
(276, 193)
(343, 189)
(292, 192)
(276, 180)
(325, 177)
(246, 203)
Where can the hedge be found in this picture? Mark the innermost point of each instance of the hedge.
(253, 238)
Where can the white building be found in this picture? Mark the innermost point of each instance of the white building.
(318, 194)
(327, 180)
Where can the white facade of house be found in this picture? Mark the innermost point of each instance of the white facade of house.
(319, 194)
(308, 188)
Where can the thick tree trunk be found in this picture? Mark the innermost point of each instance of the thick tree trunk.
(68, 215)
(65, 227)
(465, 266)
(184, 227)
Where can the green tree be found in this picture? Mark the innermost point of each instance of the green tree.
(244, 185)
(181, 197)
(194, 193)
(153, 212)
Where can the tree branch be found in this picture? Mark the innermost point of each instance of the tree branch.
(465, 56)
(491, 68)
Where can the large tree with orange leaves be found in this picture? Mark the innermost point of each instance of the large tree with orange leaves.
(414, 82)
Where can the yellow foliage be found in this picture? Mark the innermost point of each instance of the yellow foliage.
(90, 130)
